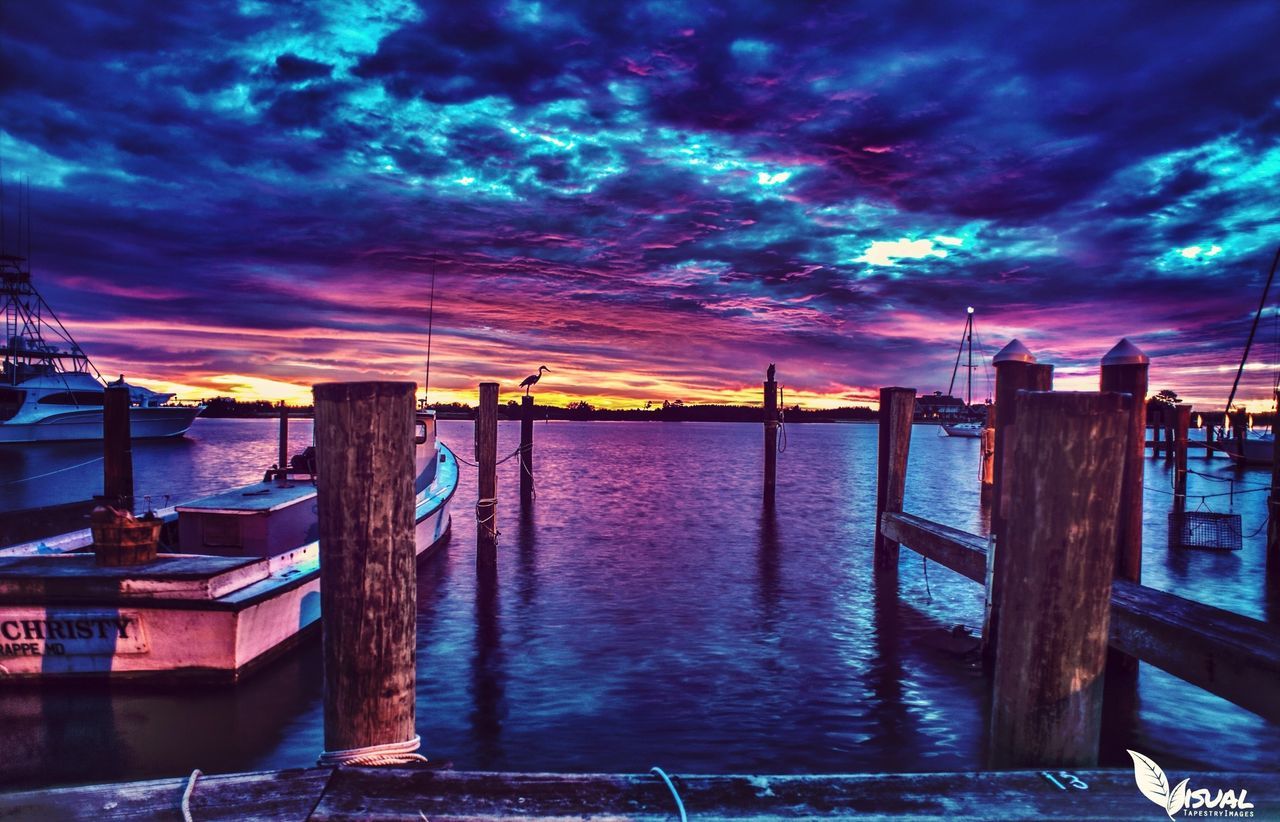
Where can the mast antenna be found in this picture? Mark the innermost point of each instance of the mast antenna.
(431, 317)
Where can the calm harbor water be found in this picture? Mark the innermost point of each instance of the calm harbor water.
(648, 612)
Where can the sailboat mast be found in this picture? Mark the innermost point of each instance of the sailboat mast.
(968, 397)
(1253, 330)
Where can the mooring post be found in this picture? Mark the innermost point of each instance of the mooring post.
(1182, 422)
(117, 448)
(1156, 422)
(1238, 426)
(897, 405)
(487, 459)
(1067, 457)
(1273, 510)
(283, 476)
(368, 591)
(1124, 369)
(1209, 428)
(1016, 370)
(770, 437)
(987, 471)
(526, 450)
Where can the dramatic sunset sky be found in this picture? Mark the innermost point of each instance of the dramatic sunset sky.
(654, 199)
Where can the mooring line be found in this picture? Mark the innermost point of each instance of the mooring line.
(186, 795)
(55, 471)
(679, 803)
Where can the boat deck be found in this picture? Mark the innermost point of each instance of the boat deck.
(259, 498)
(78, 578)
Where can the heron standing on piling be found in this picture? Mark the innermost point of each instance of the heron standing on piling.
(529, 381)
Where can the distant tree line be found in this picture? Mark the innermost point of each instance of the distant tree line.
(668, 410)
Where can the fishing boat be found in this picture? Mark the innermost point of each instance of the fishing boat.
(240, 585)
(967, 424)
(49, 390)
(1243, 445)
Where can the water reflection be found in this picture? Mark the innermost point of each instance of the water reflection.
(645, 609)
(487, 673)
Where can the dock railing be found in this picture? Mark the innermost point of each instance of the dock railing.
(1074, 473)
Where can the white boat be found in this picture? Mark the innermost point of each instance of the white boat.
(50, 391)
(242, 586)
(964, 429)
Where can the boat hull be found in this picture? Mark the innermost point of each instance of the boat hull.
(144, 423)
(969, 430)
(143, 629)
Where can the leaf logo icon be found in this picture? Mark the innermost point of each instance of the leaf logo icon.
(1155, 785)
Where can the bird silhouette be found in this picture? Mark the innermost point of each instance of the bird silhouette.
(528, 381)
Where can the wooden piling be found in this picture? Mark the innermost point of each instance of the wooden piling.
(117, 448)
(1124, 370)
(526, 450)
(770, 437)
(1209, 427)
(987, 473)
(896, 408)
(487, 459)
(1273, 511)
(283, 476)
(1016, 370)
(1067, 463)
(365, 501)
(1182, 422)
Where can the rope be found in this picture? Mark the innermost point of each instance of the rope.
(679, 803)
(924, 564)
(391, 753)
(781, 434)
(186, 795)
(484, 522)
(55, 471)
(465, 461)
(524, 466)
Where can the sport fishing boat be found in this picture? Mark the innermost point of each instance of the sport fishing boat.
(967, 425)
(49, 390)
(239, 585)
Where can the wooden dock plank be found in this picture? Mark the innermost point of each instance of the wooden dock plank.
(288, 794)
(1227, 654)
(413, 794)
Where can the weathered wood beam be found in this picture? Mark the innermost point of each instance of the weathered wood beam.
(1232, 656)
(407, 793)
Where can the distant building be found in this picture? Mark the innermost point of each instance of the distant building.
(938, 406)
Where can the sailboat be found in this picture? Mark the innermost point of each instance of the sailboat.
(967, 425)
(1244, 446)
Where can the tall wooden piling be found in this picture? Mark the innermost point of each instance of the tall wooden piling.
(1273, 511)
(1181, 424)
(897, 405)
(365, 501)
(770, 437)
(117, 448)
(526, 450)
(487, 459)
(1124, 369)
(1067, 463)
(283, 476)
(1209, 428)
(1016, 370)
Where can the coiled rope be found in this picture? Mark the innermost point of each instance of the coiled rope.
(679, 803)
(488, 523)
(391, 753)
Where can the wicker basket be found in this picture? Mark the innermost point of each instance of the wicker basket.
(126, 543)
